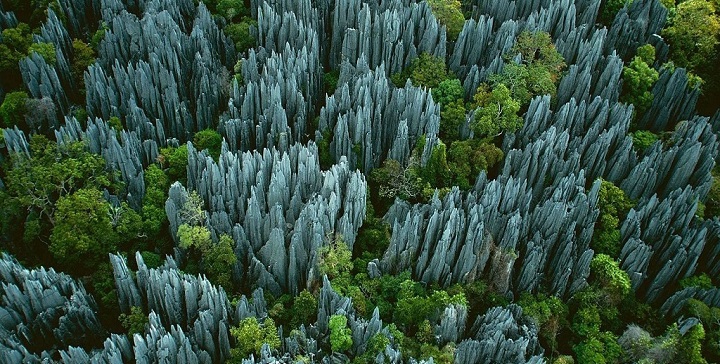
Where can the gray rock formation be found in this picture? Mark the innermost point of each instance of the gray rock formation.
(41, 311)
(279, 207)
(151, 70)
(368, 121)
(502, 335)
(498, 230)
(180, 302)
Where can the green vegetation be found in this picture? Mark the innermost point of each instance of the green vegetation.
(208, 139)
(467, 158)
(550, 315)
(57, 211)
(35, 186)
(340, 334)
(609, 9)
(710, 318)
(594, 312)
(425, 71)
(608, 276)
(497, 113)
(394, 180)
(537, 74)
(639, 78)
(83, 57)
(712, 203)
(614, 206)
(175, 160)
(250, 335)
(693, 34)
(304, 309)
(448, 91)
(335, 259)
(702, 281)
(99, 35)
(33, 12)
(643, 139)
(13, 109)
(87, 228)
(241, 35)
(45, 50)
(135, 321)
(449, 14)
(13, 47)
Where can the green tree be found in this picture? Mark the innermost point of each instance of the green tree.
(304, 309)
(190, 236)
(373, 237)
(231, 10)
(103, 290)
(467, 158)
(497, 113)
(436, 171)
(609, 9)
(643, 139)
(83, 234)
(250, 335)
(13, 109)
(614, 206)
(606, 273)
(330, 81)
(425, 71)
(340, 334)
(241, 35)
(218, 261)
(45, 50)
(414, 305)
(34, 185)
(152, 260)
(449, 14)
(135, 321)
(702, 281)
(193, 212)
(515, 78)
(448, 91)
(639, 78)
(550, 314)
(537, 74)
(538, 50)
(13, 47)
(127, 224)
(153, 210)
(99, 35)
(175, 160)
(693, 34)
(395, 180)
(335, 259)
(601, 348)
(208, 139)
(428, 71)
(712, 202)
(34, 12)
(452, 117)
(586, 322)
(690, 348)
(83, 57)
(710, 318)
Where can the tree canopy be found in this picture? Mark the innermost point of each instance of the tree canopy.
(497, 112)
(449, 14)
(693, 34)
